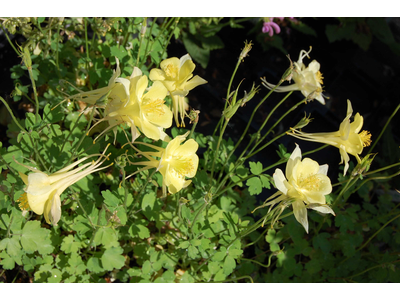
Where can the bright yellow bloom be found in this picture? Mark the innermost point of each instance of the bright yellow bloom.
(42, 191)
(348, 138)
(307, 183)
(307, 80)
(176, 75)
(146, 111)
(117, 89)
(177, 162)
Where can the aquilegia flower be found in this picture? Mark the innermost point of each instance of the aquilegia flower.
(307, 80)
(176, 75)
(348, 138)
(304, 186)
(146, 111)
(42, 191)
(176, 162)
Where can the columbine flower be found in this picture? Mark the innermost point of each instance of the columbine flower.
(42, 192)
(117, 89)
(306, 183)
(175, 74)
(146, 111)
(177, 162)
(348, 138)
(307, 80)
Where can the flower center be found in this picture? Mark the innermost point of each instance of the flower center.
(183, 166)
(23, 202)
(171, 71)
(319, 77)
(154, 107)
(365, 138)
(310, 183)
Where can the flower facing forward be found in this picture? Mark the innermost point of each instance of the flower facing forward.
(348, 138)
(146, 111)
(42, 191)
(306, 183)
(307, 80)
(176, 75)
(176, 162)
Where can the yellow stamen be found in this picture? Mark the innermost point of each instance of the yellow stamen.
(171, 71)
(365, 138)
(310, 183)
(182, 165)
(320, 77)
(155, 106)
(23, 202)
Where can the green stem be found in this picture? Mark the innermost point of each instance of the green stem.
(12, 45)
(170, 36)
(12, 115)
(374, 267)
(140, 192)
(141, 42)
(34, 93)
(82, 138)
(87, 52)
(384, 128)
(215, 154)
(148, 41)
(257, 262)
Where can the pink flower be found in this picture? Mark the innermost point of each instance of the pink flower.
(269, 26)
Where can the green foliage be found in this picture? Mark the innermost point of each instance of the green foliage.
(118, 225)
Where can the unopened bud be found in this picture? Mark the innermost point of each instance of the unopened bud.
(144, 27)
(194, 116)
(248, 96)
(364, 166)
(303, 122)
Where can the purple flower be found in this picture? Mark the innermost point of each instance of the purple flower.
(269, 26)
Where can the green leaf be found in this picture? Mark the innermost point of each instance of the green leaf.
(110, 199)
(112, 258)
(93, 265)
(68, 245)
(220, 255)
(107, 237)
(33, 237)
(196, 51)
(255, 185)
(256, 168)
(148, 204)
(192, 252)
(229, 265)
(139, 230)
(266, 181)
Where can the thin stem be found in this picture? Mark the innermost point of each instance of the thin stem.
(384, 128)
(170, 36)
(374, 267)
(34, 93)
(216, 150)
(140, 192)
(82, 138)
(87, 51)
(12, 45)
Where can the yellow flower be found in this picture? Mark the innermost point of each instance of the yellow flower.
(177, 162)
(117, 89)
(176, 75)
(307, 80)
(348, 138)
(42, 191)
(307, 183)
(147, 111)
